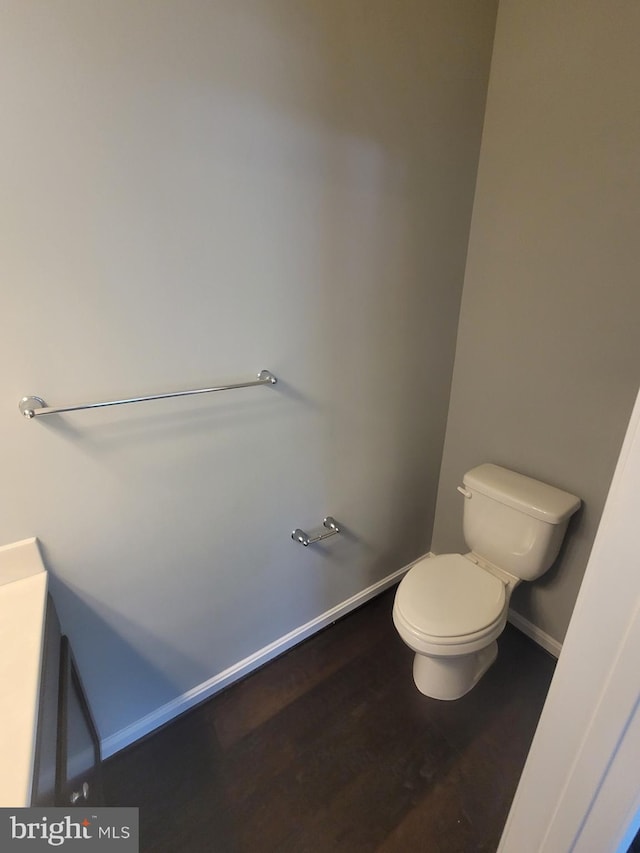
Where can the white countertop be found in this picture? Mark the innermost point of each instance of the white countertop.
(23, 603)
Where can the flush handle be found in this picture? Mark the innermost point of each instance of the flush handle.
(463, 491)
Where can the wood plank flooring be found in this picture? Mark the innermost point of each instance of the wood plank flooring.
(331, 748)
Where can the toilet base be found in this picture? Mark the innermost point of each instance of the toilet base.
(453, 676)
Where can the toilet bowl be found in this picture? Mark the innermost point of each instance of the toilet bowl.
(450, 609)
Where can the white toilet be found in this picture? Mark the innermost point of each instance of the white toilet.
(450, 609)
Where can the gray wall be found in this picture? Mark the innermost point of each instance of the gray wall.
(548, 354)
(193, 191)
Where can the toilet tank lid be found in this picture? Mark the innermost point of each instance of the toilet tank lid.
(525, 494)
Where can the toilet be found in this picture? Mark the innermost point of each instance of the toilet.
(451, 609)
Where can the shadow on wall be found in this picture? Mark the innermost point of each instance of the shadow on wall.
(132, 428)
(141, 657)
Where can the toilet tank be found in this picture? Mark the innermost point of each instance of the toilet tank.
(515, 522)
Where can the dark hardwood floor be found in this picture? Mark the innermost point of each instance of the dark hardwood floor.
(331, 748)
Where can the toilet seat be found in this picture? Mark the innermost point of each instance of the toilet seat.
(449, 601)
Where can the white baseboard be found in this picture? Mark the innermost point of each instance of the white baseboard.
(133, 732)
(534, 633)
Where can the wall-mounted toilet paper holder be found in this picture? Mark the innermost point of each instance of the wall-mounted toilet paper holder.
(305, 539)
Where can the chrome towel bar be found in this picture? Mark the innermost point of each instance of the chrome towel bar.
(34, 407)
(305, 539)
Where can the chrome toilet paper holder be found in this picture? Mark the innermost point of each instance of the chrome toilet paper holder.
(331, 528)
